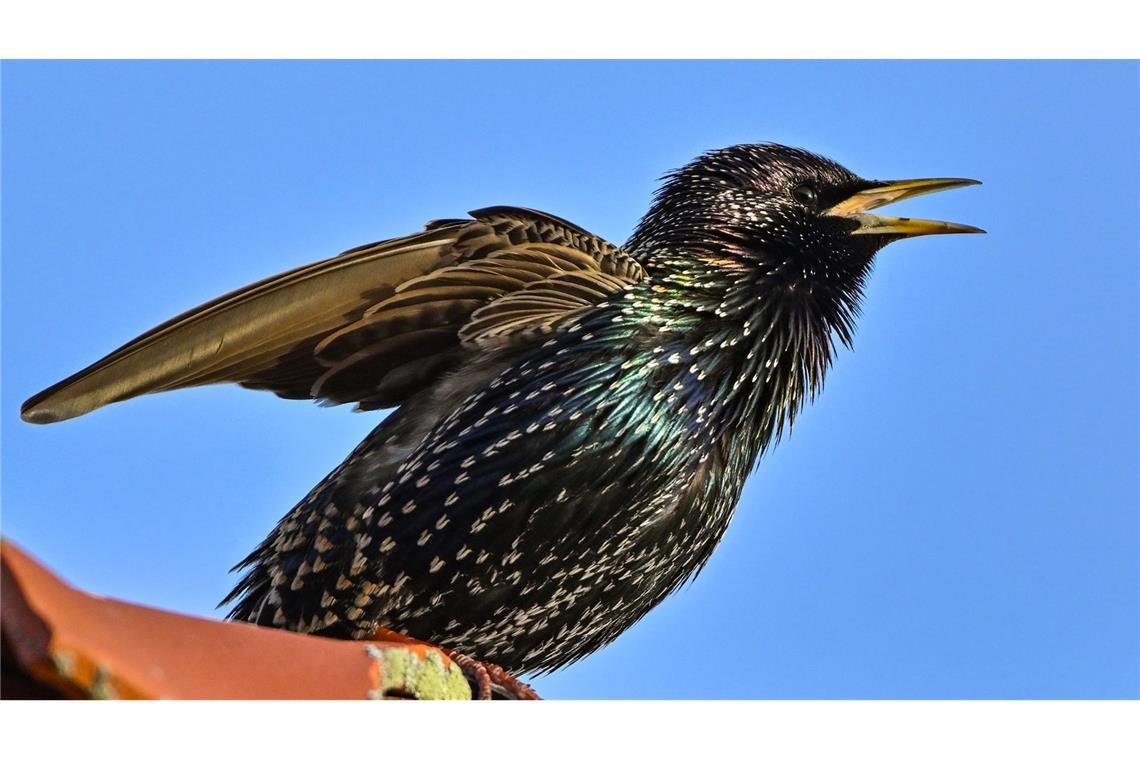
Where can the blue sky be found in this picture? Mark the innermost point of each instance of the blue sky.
(955, 517)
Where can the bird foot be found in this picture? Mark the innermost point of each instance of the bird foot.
(488, 681)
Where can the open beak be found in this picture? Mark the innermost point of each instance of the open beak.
(856, 207)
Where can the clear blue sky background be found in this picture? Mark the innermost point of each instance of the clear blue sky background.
(955, 517)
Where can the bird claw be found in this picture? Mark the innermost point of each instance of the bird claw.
(506, 686)
(476, 673)
(488, 681)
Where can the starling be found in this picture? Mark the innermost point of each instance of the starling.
(574, 420)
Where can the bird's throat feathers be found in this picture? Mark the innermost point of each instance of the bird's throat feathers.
(754, 337)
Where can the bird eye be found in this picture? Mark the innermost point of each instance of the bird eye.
(805, 194)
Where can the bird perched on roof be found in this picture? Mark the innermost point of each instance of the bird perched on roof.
(575, 420)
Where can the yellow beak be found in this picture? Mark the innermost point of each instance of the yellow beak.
(856, 207)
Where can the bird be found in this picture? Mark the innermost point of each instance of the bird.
(573, 421)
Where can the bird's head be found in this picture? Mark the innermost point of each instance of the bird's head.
(800, 223)
(770, 202)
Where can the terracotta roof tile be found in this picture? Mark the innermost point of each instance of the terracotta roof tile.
(59, 641)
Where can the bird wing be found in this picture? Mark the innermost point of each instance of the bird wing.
(532, 312)
(371, 325)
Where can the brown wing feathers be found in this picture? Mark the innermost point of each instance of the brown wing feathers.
(239, 334)
(531, 312)
(372, 325)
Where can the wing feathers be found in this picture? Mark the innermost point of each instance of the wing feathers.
(242, 329)
(372, 325)
(358, 376)
(537, 308)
